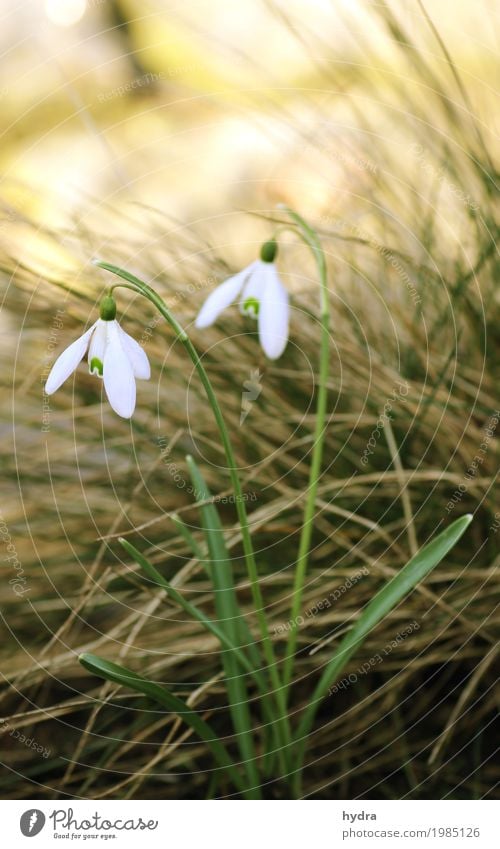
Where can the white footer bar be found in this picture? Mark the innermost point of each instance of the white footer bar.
(266, 825)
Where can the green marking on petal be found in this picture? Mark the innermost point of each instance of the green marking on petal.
(251, 307)
(96, 366)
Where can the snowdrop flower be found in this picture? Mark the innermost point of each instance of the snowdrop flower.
(261, 295)
(112, 355)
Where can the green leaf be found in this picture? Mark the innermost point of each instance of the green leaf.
(125, 677)
(214, 629)
(219, 567)
(193, 611)
(384, 601)
(127, 583)
(230, 620)
(188, 536)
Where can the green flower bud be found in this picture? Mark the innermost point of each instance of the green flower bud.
(108, 308)
(269, 250)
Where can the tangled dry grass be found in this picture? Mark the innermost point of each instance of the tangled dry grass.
(411, 249)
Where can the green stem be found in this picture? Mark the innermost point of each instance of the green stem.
(142, 288)
(310, 238)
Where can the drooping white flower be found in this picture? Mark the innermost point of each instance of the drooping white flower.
(112, 355)
(261, 295)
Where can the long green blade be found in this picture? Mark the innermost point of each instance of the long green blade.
(220, 567)
(385, 600)
(230, 621)
(125, 677)
(195, 612)
(188, 536)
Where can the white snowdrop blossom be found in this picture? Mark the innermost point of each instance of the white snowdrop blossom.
(112, 355)
(261, 295)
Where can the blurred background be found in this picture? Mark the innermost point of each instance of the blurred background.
(163, 137)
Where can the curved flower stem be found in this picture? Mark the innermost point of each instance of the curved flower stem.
(309, 236)
(142, 288)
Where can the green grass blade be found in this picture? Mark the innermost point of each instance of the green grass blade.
(385, 600)
(210, 626)
(125, 677)
(187, 536)
(223, 585)
(221, 573)
(230, 621)
(195, 612)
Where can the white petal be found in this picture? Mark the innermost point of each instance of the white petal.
(273, 314)
(119, 381)
(67, 362)
(97, 347)
(221, 297)
(256, 280)
(137, 356)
